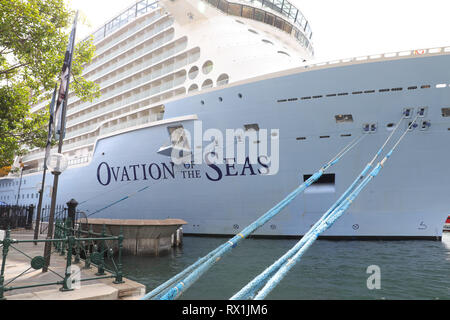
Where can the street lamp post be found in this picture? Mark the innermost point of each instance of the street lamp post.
(56, 163)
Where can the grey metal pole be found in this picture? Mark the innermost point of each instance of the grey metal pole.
(48, 246)
(39, 208)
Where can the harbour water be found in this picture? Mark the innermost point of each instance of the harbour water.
(329, 270)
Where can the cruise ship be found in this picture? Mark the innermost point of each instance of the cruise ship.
(170, 69)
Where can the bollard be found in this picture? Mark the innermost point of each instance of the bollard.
(119, 274)
(71, 212)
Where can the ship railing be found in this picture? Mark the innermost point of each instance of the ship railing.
(136, 10)
(266, 14)
(75, 241)
(385, 56)
(109, 54)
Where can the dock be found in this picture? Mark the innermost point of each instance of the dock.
(142, 237)
(18, 266)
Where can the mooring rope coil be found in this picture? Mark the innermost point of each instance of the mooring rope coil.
(200, 268)
(327, 223)
(249, 290)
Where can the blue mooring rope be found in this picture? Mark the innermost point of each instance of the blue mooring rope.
(201, 266)
(249, 290)
(279, 269)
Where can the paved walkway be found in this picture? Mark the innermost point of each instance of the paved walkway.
(19, 264)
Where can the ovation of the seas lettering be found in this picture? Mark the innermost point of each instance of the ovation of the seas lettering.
(107, 174)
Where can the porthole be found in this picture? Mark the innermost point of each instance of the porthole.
(207, 84)
(193, 88)
(193, 73)
(223, 79)
(390, 126)
(207, 67)
(240, 95)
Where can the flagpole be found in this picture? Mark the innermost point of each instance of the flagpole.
(69, 55)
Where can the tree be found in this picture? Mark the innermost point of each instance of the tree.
(33, 40)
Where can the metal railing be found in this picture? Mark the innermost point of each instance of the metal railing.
(74, 243)
(383, 56)
(14, 217)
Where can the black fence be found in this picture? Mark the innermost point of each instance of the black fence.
(16, 217)
(61, 214)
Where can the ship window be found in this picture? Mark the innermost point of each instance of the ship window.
(287, 27)
(369, 91)
(234, 9)
(412, 88)
(193, 88)
(238, 21)
(344, 118)
(267, 41)
(252, 31)
(269, 18)
(250, 127)
(301, 138)
(446, 112)
(223, 5)
(247, 12)
(207, 67)
(207, 84)
(279, 23)
(223, 79)
(259, 15)
(384, 90)
(343, 94)
(425, 87)
(193, 73)
(390, 126)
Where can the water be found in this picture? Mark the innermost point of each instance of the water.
(329, 270)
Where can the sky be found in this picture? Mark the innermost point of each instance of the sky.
(341, 28)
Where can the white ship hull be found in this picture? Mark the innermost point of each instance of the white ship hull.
(409, 199)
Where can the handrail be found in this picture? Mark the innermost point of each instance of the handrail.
(68, 240)
(383, 56)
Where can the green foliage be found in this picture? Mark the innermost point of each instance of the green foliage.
(33, 40)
